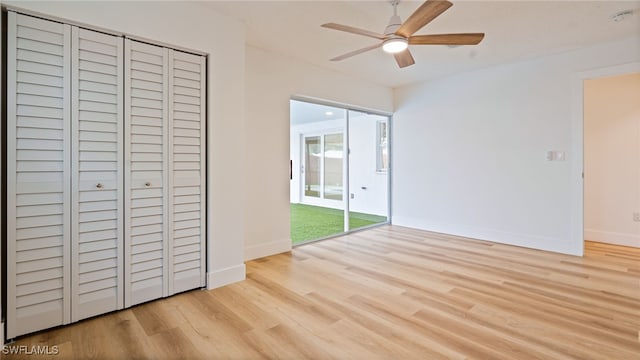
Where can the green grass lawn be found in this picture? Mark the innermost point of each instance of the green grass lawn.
(314, 222)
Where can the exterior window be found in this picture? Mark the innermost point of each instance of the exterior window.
(382, 148)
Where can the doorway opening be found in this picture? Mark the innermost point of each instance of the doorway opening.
(340, 173)
(611, 114)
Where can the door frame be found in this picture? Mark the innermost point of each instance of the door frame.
(348, 108)
(577, 147)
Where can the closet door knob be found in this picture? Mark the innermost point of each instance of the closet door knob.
(147, 184)
(99, 186)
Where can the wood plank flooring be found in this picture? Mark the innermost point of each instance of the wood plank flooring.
(387, 293)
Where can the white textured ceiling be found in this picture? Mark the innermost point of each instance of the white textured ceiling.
(514, 30)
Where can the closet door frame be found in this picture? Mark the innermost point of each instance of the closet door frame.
(203, 170)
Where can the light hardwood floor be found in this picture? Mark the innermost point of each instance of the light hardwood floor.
(387, 293)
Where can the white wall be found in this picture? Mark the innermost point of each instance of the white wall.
(612, 159)
(271, 80)
(193, 25)
(469, 150)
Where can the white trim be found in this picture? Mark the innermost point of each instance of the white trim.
(203, 169)
(560, 245)
(226, 276)
(611, 237)
(577, 235)
(267, 249)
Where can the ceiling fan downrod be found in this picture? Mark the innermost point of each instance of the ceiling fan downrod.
(394, 21)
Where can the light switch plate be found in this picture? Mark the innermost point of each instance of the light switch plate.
(549, 156)
(554, 155)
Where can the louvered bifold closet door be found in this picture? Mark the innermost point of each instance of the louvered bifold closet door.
(186, 171)
(97, 156)
(38, 174)
(146, 135)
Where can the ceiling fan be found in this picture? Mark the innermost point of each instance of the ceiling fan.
(398, 35)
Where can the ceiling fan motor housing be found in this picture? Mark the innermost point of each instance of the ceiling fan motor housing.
(394, 24)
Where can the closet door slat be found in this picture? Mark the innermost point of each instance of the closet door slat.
(38, 174)
(146, 145)
(97, 166)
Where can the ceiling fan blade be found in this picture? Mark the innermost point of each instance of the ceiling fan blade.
(404, 58)
(356, 52)
(428, 11)
(353, 30)
(447, 39)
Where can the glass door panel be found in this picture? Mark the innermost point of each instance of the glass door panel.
(317, 171)
(333, 166)
(312, 166)
(368, 169)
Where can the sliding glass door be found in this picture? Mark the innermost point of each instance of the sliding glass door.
(339, 170)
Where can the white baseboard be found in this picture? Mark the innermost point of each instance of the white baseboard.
(559, 245)
(266, 249)
(611, 237)
(226, 276)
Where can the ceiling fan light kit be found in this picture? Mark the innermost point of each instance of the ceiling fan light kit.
(398, 35)
(395, 45)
